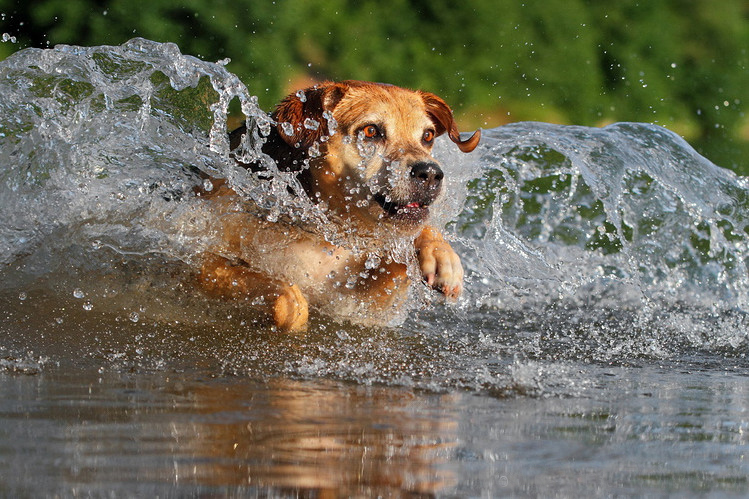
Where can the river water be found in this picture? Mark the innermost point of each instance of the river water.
(599, 350)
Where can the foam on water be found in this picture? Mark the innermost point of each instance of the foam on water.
(580, 244)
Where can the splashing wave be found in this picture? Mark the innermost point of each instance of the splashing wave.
(581, 244)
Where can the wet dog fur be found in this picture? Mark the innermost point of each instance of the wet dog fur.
(361, 150)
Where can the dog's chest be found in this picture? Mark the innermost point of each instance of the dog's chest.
(314, 265)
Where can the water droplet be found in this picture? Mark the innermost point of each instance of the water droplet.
(22, 296)
(311, 124)
(78, 293)
(87, 305)
(287, 128)
(264, 126)
(134, 317)
(301, 95)
(207, 185)
(332, 123)
(373, 261)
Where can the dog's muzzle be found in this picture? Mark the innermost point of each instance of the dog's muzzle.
(427, 176)
(425, 183)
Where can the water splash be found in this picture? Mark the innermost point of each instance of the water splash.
(581, 244)
(630, 206)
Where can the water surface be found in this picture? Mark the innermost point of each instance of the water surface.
(600, 347)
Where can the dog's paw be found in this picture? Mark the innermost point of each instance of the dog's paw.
(290, 310)
(440, 265)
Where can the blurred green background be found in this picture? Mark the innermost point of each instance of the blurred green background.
(683, 64)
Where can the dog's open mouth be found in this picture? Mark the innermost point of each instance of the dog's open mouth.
(407, 211)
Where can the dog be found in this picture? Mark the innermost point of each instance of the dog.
(362, 151)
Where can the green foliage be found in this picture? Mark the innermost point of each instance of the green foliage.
(683, 64)
(188, 107)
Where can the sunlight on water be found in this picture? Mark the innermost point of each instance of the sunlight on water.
(580, 244)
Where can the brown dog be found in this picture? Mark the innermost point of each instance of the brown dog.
(362, 151)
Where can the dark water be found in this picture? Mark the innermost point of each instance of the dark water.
(599, 350)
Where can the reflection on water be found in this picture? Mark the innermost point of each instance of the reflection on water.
(678, 428)
(324, 438)
(178, 431)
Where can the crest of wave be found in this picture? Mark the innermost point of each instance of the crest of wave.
(102, 145)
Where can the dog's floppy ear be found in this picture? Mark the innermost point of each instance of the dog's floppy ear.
(442, 116)
(299, 118)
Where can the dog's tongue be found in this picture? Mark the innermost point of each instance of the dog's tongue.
(412, 205)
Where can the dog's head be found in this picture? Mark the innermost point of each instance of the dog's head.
(368, 147)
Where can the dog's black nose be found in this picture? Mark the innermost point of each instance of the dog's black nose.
(428, 174)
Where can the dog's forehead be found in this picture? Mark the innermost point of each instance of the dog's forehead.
(382, 104)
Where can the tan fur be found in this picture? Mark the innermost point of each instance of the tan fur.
(368, 162)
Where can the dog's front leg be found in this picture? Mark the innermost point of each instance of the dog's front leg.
(440, 265)
(284, 302)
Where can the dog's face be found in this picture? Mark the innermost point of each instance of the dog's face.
(369, 148)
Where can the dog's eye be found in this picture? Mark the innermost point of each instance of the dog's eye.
(371, 131)
(428, 136)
